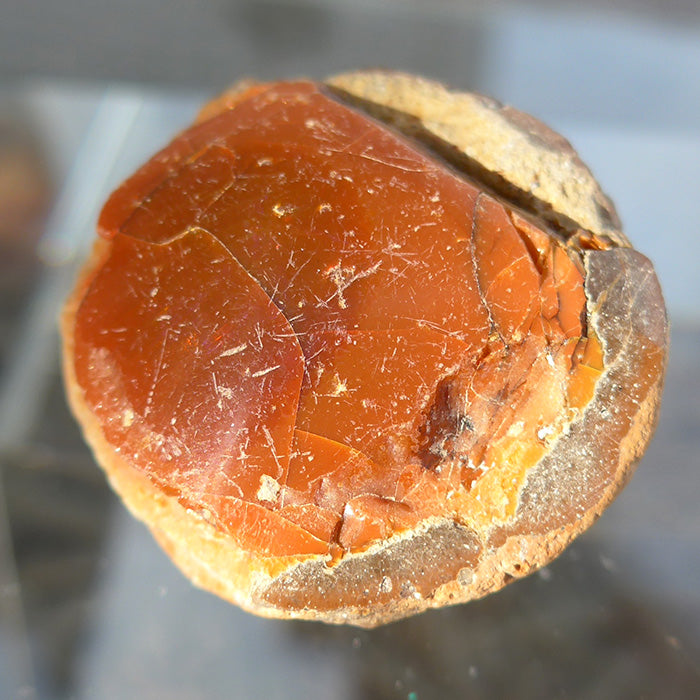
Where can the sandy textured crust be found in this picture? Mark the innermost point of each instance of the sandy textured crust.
(443, 562)
(512, 152)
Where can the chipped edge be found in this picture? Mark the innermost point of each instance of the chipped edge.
(513, 154)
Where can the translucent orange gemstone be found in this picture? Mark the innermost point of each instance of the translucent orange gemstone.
(317, 335)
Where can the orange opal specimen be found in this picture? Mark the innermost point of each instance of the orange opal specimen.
(317, 334)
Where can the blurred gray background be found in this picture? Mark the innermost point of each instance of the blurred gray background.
(188, 43)
(89, 606)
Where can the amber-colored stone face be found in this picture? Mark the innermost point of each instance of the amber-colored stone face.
(317, 335)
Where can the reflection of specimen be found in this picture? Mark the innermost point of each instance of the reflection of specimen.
(344, 378)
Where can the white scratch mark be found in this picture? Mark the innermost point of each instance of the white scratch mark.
(271, 445)
(343, 277)
(234, 351)
(263, 372)
(151, 391)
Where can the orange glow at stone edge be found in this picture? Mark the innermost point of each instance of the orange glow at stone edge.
(316, 335)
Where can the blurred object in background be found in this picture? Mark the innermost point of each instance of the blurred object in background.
(25, 197)
(24, 181)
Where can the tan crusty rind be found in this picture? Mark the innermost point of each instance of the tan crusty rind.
(511, 152)
(443, 561)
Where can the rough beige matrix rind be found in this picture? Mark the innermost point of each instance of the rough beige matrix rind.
(370, 556)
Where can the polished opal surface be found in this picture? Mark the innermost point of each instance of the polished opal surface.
(316, 334)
